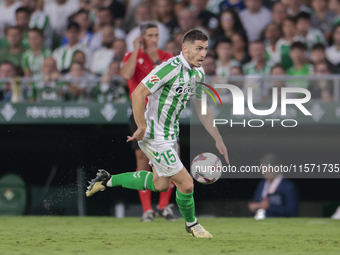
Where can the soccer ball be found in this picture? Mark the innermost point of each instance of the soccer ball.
(206, 168)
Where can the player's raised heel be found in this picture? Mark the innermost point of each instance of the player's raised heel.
(198, 231)
(98, 183)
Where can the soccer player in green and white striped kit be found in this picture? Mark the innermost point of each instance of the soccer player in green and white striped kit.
(168, 89)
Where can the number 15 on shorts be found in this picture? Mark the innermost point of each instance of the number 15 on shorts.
(168, 157)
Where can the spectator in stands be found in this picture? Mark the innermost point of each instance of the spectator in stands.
(58, 12)
(92, 6)
(22, 17)
(80, 57)
(206, 19)
(272, 34)
(275, 194)
(279, 13)
(209, 66)
(255, 18)
(144, 14)
(229, 23)
(237, 5)
(283, 44)
(294, 7)
(318, 53)
(64, 54)
(112, 86)
(236, 71)
(105, 18)
(322, 18)
(334, 6)
(77, 90)
(258, 64)
(322, 89)
(240, 48)
(14, 51)
(103, 56)
(277, 70)
(49, 70)
(6, 71)
(173, 47)
(33, 58)
(85, 35)
(165, 13)
(333, 52)
(117, 9)
(7, 13)
(300, 65)
(47, 89)
(225, 94)
(186, 21)
(119, 48)
(178, 38)
(39, 19)
(225, 59)
(306, 33)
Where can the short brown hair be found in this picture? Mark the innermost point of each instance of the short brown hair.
(36, 30)
(194, 34)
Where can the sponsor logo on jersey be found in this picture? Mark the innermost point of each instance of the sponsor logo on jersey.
(154, 79)
(182, 90)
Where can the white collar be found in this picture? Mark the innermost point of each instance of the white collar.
(184, 61)
(75, 47)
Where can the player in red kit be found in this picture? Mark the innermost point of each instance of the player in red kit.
(136, 66)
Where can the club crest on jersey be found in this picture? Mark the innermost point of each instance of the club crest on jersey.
(154, 79)
(141, 61)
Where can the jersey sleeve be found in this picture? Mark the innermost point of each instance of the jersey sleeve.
(159, 76)
(126, 57)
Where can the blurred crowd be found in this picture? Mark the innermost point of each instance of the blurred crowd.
(73, 49)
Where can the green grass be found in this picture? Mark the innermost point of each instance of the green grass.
(104, 235)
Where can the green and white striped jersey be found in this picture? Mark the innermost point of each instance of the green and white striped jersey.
(64, 55)
(40, 20)
(313, 36)
(171, 84)
(34, 63)
(250, 68)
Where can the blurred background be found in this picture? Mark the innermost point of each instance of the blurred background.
(64, 107)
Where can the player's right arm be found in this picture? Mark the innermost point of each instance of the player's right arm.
(138, 97)
(129, 67)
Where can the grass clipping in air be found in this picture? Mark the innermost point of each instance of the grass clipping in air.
(107, 235)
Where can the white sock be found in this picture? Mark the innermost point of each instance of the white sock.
(191, 223)
(109, 183)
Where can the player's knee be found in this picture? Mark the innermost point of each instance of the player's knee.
(160, 187)
(188, 188)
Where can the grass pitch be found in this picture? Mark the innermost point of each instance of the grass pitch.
(107, 235)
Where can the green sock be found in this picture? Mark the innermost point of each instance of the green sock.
(186, 205)
(140, 180)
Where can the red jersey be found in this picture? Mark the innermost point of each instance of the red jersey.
(144, 66)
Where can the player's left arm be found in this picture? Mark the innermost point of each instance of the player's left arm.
(208, 121)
